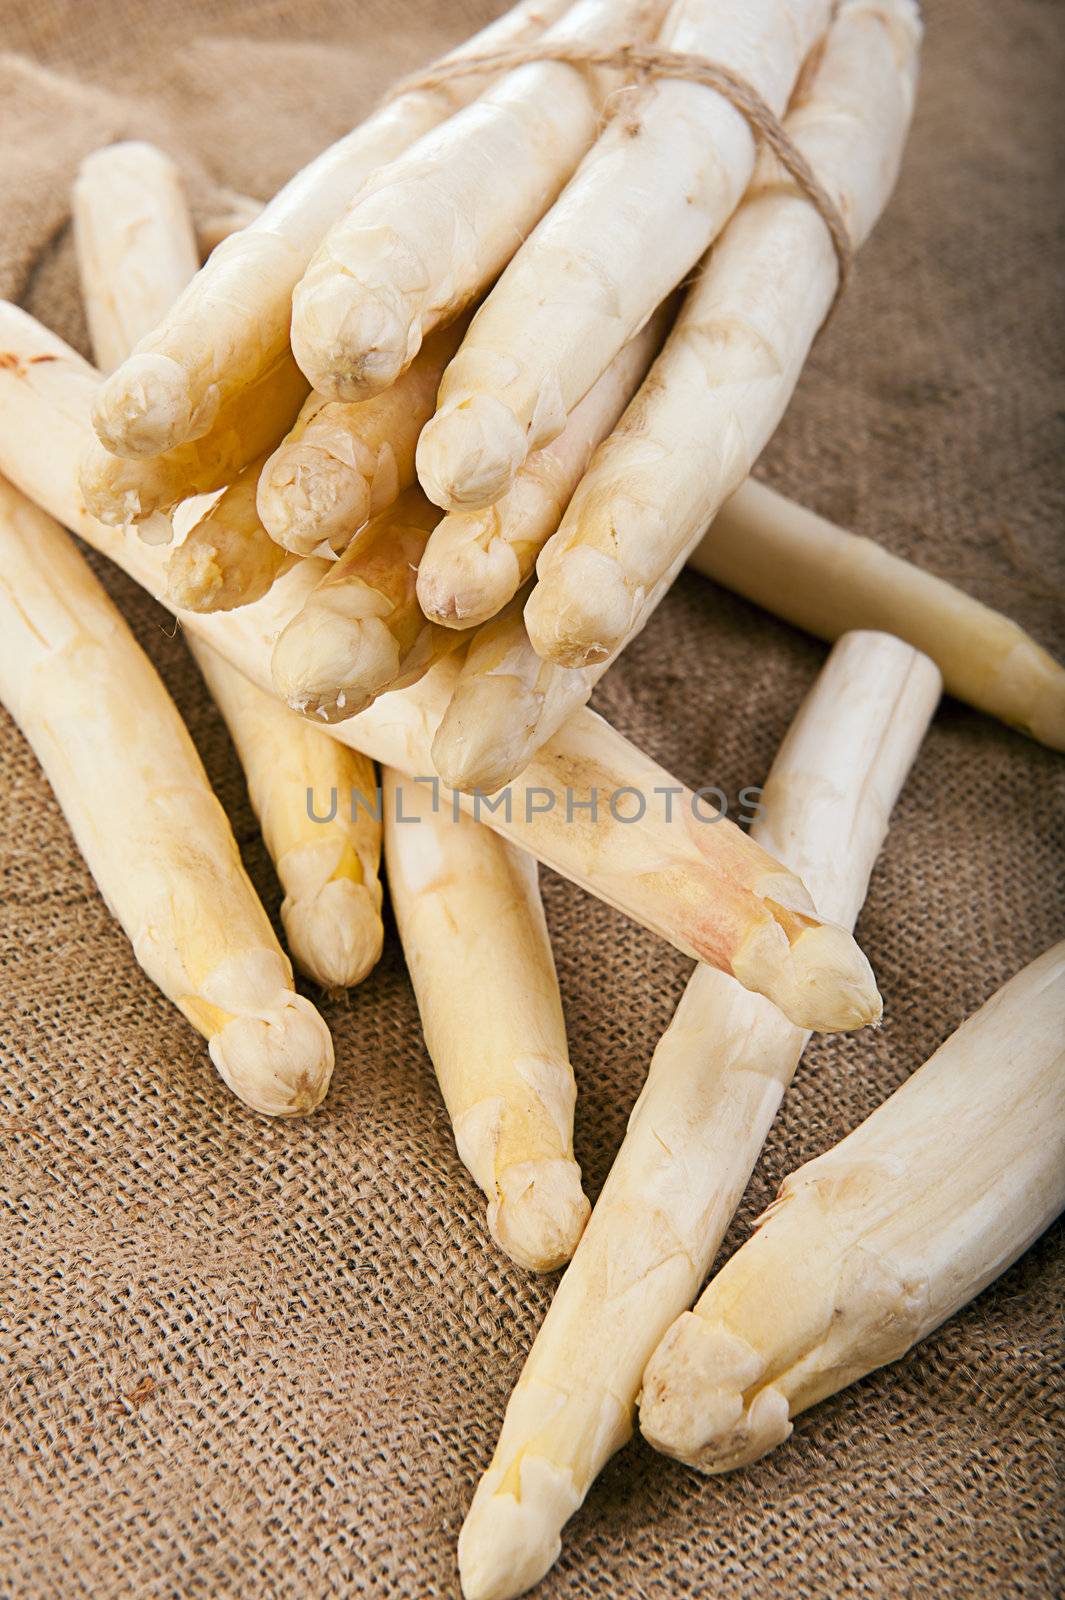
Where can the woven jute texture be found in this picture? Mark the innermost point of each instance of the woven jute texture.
(329, 1335)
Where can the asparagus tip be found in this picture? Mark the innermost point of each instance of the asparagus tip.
(351, 340)
(580, 609)
(279, 1063)
(821, 980)
(539, 1213)
(144, 408)
(692, 1406)
(335, 933)
(508, 1542)
(469, 453)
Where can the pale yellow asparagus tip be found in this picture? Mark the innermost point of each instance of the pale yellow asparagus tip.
(483, 736)
(470, 453)
(308, 496)
(279, 1062)
(698, 1359)
(472, 573)
(581, 596)
(227, 559)
(332, 658)
(539, 1212)
(333, 929)
(821, 979)
(149, 402)
(501, 1547)
(363, 343)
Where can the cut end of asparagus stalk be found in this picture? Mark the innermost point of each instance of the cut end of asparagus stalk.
(329, 664)
(334, 932)
(471, 750)
(693, 1406)
(144, 408)
(280, 1062)
(307, 497)
(817, 975)
(351, 341)
(469, 454)
(539, 1213)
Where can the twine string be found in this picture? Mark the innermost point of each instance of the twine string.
(650, 61)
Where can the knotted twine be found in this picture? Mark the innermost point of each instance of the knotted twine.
(651, 61)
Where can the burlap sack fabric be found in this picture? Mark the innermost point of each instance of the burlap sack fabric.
(329, 1334)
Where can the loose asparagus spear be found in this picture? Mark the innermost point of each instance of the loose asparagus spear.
(144, 816)
(344, 461)
(332, 905)
(816, 575)
(713, 1088)
(655, 190)
(704, 885)
(872, 1245)
(468, 909)
(428, 233)
(718, 390)
(232, 322)
(476, 561)
(362, 631)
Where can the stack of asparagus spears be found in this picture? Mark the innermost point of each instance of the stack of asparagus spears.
(413, 456)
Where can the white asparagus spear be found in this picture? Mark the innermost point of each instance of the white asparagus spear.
(131, 210)
(872, 1245)
(362, 632)
(702, 884)
(429, 232)
(344, 461)
(476, 561)
(718, 390)
(709, 403)
(468, 910)
(656, 188)
(714, 1084)
(144, 816)
(232, 322)
(821, 578)
(297, 778)
(226, 558)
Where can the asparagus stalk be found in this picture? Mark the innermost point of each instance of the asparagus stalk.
(821, 578)
(362, 631)
(658, 186)
(476, 561)
(468, 910)
(728, 370)
(226, 558)
(344, 461)
(713, 1088)
(231, 324)
(143, 814)
(427, 233)
(328, 868)
(705, 886)
(872, 1245)
(332, 906)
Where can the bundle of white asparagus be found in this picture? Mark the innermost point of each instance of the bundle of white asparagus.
(427, 439)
